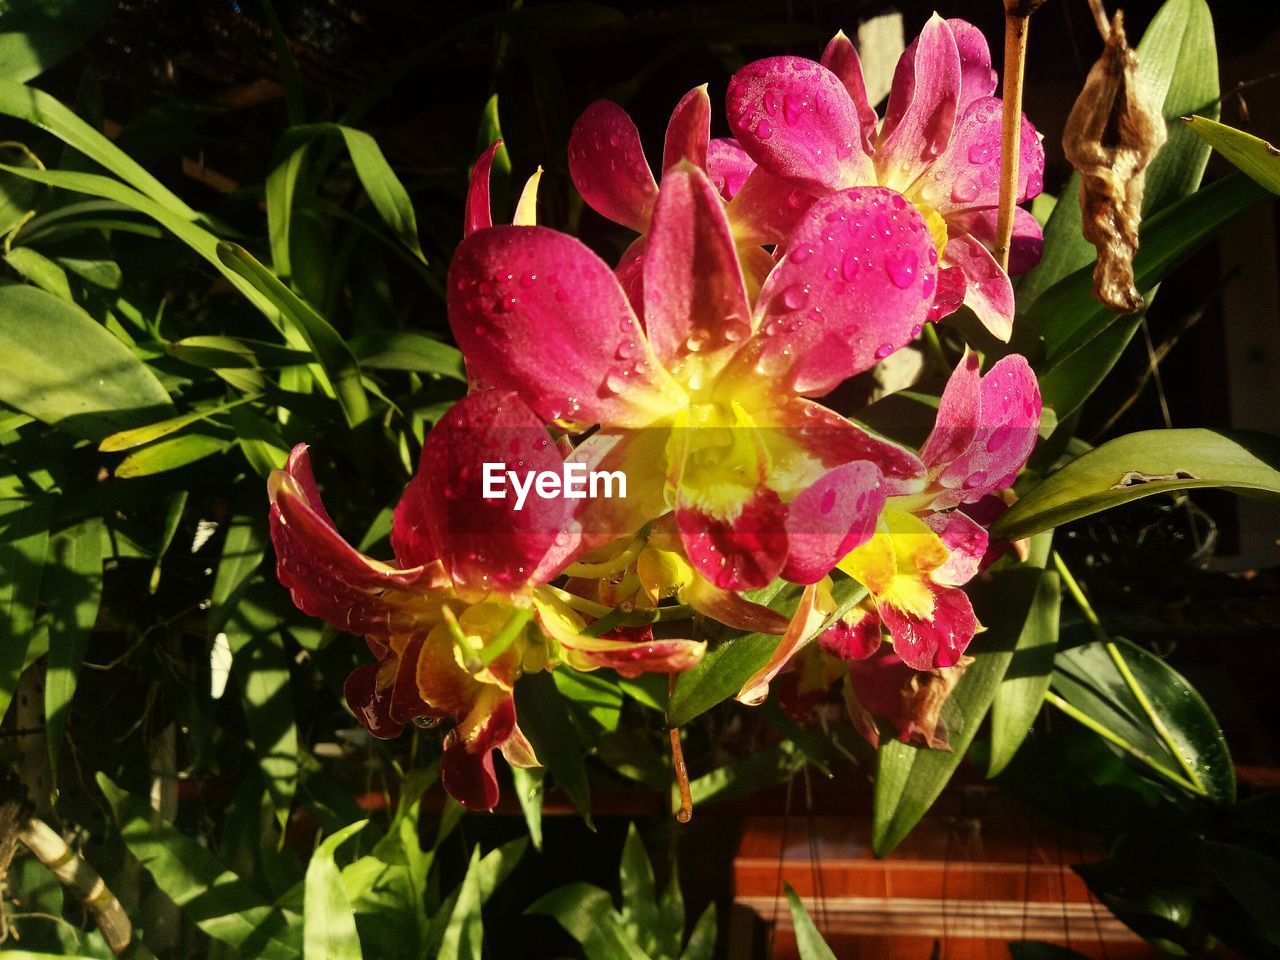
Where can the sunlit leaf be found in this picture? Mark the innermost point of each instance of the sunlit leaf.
(809, 941)
(24, 539)
(329, 923)
(1253, 155)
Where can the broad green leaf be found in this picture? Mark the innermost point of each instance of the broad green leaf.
(37, 34)
(281, 186)
(213, 352)
(46, 112)
(464, 936)
(41, 271)
(670, 926)
(702, 941)
(639, 892)
(242, 553)
(1020, 696)
(127, 439)
(1088, 678)
(809, 941)
(529, 791)
(760, 769)
(408, 350)
(60, 366)
(1254, 156)
(587, 914)
(217, 901)
(329, 922)
(22, 557)
(909, 779)
(1251, 877)
(728, 664)
(171, 453)
(334, 355)
(1141, 465)
(544, 718)
(1178, 63)
(72, 593)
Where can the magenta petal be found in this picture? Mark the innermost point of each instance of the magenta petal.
(967, 174)
(535, 311)
(966, 541)
(959, 413)
(926, 643)
(922, 105)
(830, 518)
(478, 211)
(607, 164)
(630, 274)
(949, 296)
(855, 636)
(728, 166)
(1008, 424)
(689, 130)
(1027, 245)
(486, 544)
(466, 766)
(855, 283)
(988, 291)
(370, 705)
(795, 118)
(694, 295)
(841, 58)
(977, 78)
(743, 553)
(766, 208)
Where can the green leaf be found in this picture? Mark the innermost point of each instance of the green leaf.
(1251, 878)
(1020, 696)
(909, 779)
(37, 34)
(173, 517)
(232, 352)
(408, 350)
(809, 941)
(1087, 678)
(464, 937)
(171, 453)
(500, 173)
(1254, 156)
(127, 439)
(544, 718)
(529, 791)
(217, 901)
(41, 271)
(334, 355)
(639, 892)
(760, 769)
(587, 914)
(60, 366)
(1142, 465)
(47, 113)
(72, 593)
(702, 941)
(23, 544)
(1178, 63)
(728, 664)
(329, 923)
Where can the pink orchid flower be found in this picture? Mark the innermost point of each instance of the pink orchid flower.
(704, 406)
(810, 126)
(923, 550)
(465, 609)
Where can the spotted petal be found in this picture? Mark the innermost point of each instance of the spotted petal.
(988, 291)
(841, 58)
(830, 518)
(537, 312)
(728, 165)
(939, 639)
(607, 164)
(967, 173)
(921, 112)
(1027, 245)
(977, 77)
(741, 552)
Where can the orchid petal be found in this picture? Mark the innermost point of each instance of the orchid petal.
(988, 291)
(640, 456)
(630, 274)
(855, 636)
(526, 214)
(967, 174)
(977, 77)
(795, 118)
(486, 543)
(921, 113)
(695, 299)
(371, 704)
(938, 640)
(965, 539)
(607, 164)
(466, 765)
(631, 658)
(325, 575)
(841, 58)
(728, 166)
(536, 311)
(732, 609)
(738, 553)
(478, 211)
(689, 130)
(830, 518)
(815, 605)
(518, 751)
(765, 208)
(959, 413)
(855, 284)
(1025, 249)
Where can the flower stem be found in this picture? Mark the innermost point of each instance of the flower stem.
(1017, 22)
(512, 629)
(1114, 738)
(581, 604)
(685, 812)
(1126, 673)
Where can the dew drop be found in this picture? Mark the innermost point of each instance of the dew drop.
(883, 350)
(763, 130)
(901, 269)
(795, 296)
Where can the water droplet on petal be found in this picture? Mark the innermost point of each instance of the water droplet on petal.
(883, 350)
(763, 130)
(901, 269)
(795, 296)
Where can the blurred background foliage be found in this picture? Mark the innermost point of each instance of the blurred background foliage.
(182, 725)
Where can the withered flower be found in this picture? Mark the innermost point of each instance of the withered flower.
(1114, 131)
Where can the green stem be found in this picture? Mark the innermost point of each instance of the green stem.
(506, 636)
(1157, 723)
(935, 346)
(1114, 738)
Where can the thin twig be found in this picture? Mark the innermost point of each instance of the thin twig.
(1101, 19)
(1017, 21)
(685, 813)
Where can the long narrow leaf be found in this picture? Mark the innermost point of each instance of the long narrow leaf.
(329, 922)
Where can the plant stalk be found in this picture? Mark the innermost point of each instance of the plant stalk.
(1017, 23)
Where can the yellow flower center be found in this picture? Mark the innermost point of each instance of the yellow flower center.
(896, 563)
(716, 458)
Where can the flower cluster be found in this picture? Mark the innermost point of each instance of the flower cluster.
(768, 269)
